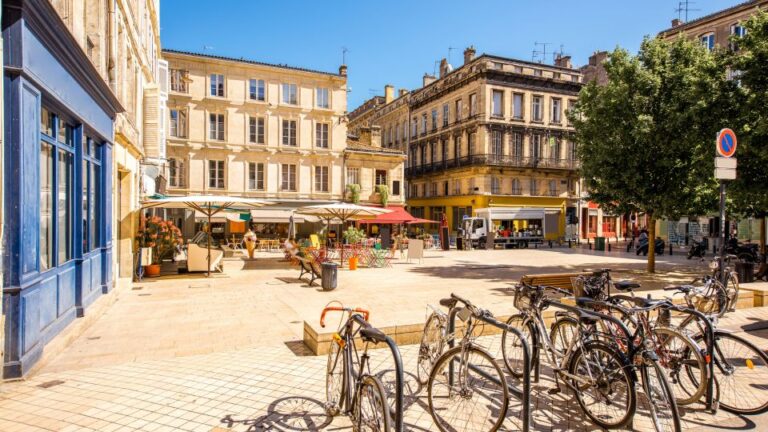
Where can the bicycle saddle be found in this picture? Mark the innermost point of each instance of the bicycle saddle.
(640, 301)
(372, 334)
(448, 302)
(683, 288)
(600, 271)
(626, 285)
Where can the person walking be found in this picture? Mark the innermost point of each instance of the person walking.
(250, 242)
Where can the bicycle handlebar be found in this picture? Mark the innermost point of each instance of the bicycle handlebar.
(365, 313)
(472, 308)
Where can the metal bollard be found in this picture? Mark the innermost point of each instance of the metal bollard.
(670, 248)
(590, 245)
(609, 247)
(550, 244)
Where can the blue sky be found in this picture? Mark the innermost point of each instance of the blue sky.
(398, 41)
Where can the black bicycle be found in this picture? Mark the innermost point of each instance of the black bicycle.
(349, 385)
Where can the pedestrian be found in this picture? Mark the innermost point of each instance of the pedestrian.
(250, 242)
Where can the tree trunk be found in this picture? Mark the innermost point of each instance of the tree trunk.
(651, 243)
(762, 237)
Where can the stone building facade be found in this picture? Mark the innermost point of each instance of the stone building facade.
(715, 29)
(369, 164)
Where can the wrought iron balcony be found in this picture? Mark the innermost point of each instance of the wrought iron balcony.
(494, 161)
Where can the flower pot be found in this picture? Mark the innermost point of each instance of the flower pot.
(152, 270)
(353, 263)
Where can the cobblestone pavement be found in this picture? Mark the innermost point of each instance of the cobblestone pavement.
(264, 389)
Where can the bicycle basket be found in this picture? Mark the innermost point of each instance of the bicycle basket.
(709, 304)
(591, 287)
(525, 297)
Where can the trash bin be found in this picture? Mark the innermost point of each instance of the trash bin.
(330, 271)
(746, 271)
(459, 243)
(600, 243)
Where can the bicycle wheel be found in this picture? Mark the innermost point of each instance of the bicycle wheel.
(731, 292)
(371, 411)
(467, 391)
(682, 359)
(602, 384)
(661, 399)
(431, 347)
(512, 348)
(334, 378)
(741, 371)
(563, 334)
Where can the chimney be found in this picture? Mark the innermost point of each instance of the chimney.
(343, 70)
(445, 67)
(469, 54)
(389, 93)
(676, 22)
(427, 80)
(563, 61)
(402, 92)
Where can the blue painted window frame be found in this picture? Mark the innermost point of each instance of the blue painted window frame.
(92, 194)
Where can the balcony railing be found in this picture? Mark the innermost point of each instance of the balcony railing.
(492, 160)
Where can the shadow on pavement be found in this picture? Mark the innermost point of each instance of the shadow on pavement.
(293, 413)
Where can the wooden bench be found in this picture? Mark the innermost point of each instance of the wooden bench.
(310, 267)
(558, 280)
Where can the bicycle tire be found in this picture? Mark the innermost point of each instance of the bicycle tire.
(335, 379)
(686, 359)
(371, 394)
(514, 364)
(499, 410)
(661, 392)
(430, 348)
(730, 394)
(558, 333)
(620, 368)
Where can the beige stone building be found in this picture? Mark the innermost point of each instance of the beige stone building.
(715, 29)
(122, 40)
(369, 164)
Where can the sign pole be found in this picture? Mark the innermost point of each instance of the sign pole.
(725, 169)
(722, 227)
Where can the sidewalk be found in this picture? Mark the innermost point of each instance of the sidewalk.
(260, 389)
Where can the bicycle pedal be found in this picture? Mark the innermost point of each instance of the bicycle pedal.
(554, 390)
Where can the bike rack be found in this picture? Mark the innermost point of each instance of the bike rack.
(399, 381)
(525, 394)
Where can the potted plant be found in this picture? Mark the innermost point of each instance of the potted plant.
(163, 237)
(383, 191)
(353, 235)
(354, 193)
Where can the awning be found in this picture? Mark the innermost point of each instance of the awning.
(276, 216)
(398, 215)
(221, 217)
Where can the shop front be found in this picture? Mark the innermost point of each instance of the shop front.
(58, 177)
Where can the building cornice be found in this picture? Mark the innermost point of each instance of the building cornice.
(733, 10)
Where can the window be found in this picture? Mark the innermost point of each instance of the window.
(178, 123)
(553, 188)
(737, 31)
(457, 146)
(290, 96)
(497, 103)
(497, 144)
(457, 187)
(433, 189)
(495, 185)
(434, 119)
(289, 132)
(446, 113)
(321, 179)
(458, 216)
(353, 176)
(396, 187)
(255, 176)
(176, 173)
(471, 145)
(708, 41)
(91, 194)
(445, 188)
(444, 150)
(432, 152)
(415, 125)
(381, 177)
(534, 187)
(47, 182)
(321, 135)
(516, 146)
(217, 85)
(517, 106)
(256, 130)
(179, 80)
(216, 126)
(216, 174)
(256, 90)
(322, 98)
(556, 109)
(288, 177)
(571, 106)
(472, 104)
(424, 123)
(535, 146)
(516, 189)
(555, 148)
(459, 107)
(571, 149)
(536, 107)
(414, 191)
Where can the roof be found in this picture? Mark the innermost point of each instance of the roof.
(720, 13)
(249, 61)
(366, 148)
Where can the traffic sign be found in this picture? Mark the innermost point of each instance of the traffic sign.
(725, 168)
(726, 143)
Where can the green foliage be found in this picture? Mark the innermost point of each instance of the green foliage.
(383, 191)
(747, 194)
(353, 235)
(354, 193)
(646, 139)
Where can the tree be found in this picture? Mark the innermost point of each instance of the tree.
(748, 192)
(646, 138)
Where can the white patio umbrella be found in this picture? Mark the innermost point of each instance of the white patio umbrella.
(343, 212)
(209, 205)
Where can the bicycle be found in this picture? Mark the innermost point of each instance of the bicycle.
(466, 380)
(728, 280)
(433, 341)
(351, 389)
(594, 370)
